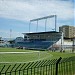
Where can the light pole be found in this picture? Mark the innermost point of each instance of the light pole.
(61, 41)
(29, 26)
(10, 33)
(55, 21)
(73, 46)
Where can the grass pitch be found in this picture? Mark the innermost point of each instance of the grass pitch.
(8, 59)
(31, 56)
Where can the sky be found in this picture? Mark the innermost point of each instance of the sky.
(15, 15)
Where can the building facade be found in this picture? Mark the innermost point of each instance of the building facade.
(68, 31)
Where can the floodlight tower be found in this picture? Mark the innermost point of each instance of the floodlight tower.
(46, 17)
(62, 42)
(10, 33)
(55, 21)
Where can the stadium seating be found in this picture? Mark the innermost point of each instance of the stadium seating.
(35, 44)
(42, 40)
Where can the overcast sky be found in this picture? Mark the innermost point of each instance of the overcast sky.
(16, 14)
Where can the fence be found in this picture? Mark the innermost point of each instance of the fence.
(66, 48)
(61, 66)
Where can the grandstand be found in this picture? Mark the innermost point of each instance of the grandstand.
(39, 40)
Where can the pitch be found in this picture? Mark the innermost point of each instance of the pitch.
(13, 55)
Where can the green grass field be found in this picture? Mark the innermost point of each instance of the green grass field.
(26, 57)
(8, 59)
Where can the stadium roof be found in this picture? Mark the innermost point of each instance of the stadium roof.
(41, 32)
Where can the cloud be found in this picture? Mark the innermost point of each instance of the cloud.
(29, 9)
(25, 10)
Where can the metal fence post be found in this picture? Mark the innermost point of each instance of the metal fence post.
(2, 69)
(57, 65)
(12, 69)
(7, 69)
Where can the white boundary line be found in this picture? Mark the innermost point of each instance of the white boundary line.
(18, 52)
